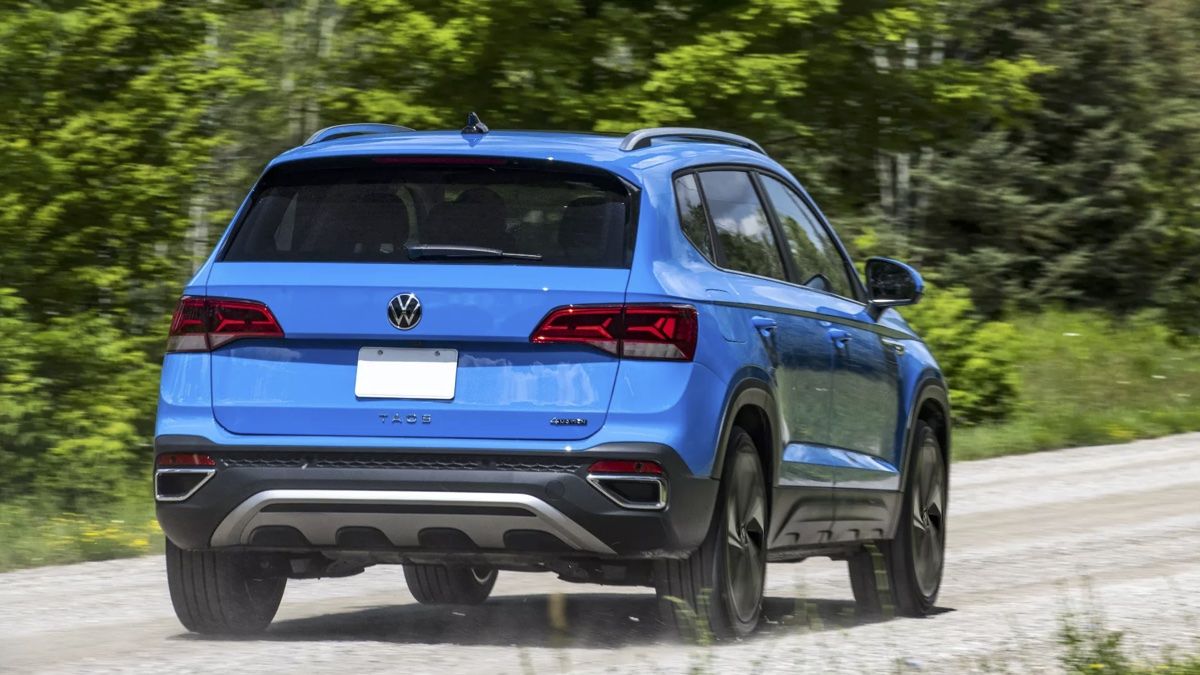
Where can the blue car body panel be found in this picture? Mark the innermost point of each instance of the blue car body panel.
(843, 415)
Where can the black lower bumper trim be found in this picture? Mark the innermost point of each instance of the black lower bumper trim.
(557, 480)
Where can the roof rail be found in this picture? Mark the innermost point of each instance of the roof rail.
(347, 130)
(642, 137)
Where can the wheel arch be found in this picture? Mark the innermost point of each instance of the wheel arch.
(752, 406)
(932, 406)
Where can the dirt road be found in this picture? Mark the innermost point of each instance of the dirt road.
(1110, 530)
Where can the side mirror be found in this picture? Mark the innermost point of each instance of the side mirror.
(892, 284)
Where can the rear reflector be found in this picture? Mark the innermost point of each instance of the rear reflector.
(622, 466)
(181, 459)
(631, 331)
(203, 324)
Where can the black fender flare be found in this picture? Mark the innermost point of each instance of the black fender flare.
(931, 388)
(751, 390)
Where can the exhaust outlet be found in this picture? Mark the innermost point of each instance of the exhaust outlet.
(178, 475)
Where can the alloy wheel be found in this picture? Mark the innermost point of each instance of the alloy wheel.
(745, 512)
(928, 521)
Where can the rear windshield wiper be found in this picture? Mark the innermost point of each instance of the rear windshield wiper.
(444, 251)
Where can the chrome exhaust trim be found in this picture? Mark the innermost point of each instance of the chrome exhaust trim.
(158, 494)
(597, 481)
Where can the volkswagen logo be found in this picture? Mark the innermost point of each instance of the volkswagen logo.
(404, 311)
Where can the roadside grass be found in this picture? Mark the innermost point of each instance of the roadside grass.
(1087, 380)
(32, 536)
(1088, 646)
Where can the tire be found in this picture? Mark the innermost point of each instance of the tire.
(445, 585)
(912, 563)
(718, 590)
(222, 593)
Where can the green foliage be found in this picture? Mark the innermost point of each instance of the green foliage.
(36, 534)
(977, 356)
(1090, 647)
(1087, 199)
(1087, 379)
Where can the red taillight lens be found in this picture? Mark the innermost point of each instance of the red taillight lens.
(630, 466)
(658, 332)
(632, 331)
(189, 326)
(184, 459)
(203, 324)
(598, 326)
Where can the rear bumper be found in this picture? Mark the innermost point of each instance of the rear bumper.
(431, 502)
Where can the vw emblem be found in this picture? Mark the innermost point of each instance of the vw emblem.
(404, 311)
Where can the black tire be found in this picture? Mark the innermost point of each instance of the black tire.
(444, 585)
(718, 590)
(912, 563)
(222, 593)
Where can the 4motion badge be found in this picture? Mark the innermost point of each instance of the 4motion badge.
(568, 422)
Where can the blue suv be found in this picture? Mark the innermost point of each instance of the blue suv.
(642, 361)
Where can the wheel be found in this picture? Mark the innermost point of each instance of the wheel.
(222, 593)
(911, 564)
(445, 585)
(718, 590)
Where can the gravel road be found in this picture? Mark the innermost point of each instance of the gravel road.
(1111, 531)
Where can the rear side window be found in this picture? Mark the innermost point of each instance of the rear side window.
(401, 214)
(818, 262)
(692, 218)
(743, 232)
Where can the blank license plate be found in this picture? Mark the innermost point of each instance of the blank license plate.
(406, 373)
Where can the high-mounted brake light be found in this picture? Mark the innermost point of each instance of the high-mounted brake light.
(203, 324)
(448, 161)
(631, 331)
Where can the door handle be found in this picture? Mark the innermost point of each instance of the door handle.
(766, 325)
(840, 337)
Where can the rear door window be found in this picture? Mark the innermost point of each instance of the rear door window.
(819, 263)
(692, 218)
(744, 236)
(402, 214)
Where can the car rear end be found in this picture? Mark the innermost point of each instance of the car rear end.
(411, 358)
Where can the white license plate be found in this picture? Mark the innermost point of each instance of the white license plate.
(406, 373)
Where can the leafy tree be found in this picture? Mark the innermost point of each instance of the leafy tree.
(1085, 200)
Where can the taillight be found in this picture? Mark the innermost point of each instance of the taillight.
(203, 324)
(631, 331)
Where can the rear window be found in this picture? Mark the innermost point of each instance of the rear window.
(402, 214)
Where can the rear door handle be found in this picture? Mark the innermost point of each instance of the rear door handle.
(765, 325)
(840, 337)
